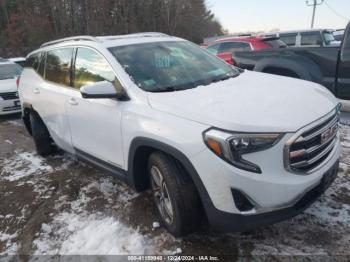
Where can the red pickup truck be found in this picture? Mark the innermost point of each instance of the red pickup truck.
(224, 47)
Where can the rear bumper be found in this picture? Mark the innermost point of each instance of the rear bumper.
(12, 106)
(229, 222)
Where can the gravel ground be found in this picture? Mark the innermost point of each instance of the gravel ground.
(61, 206)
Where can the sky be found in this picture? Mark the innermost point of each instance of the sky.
(267, 15)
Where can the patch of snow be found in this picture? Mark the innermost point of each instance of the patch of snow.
(178, 251)
(5, 237)
(90, 234)
(109, 188)
(156, 225)
(16, 123)
(8, 142)
(23, 165)
(10, 247)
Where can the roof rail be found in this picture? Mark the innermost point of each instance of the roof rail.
(135, 35)
(73, 38)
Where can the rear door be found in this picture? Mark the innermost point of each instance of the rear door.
(343, 81)
(51, 94)
(95, 123)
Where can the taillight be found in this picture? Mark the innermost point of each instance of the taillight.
(18, 80)
(231, 61)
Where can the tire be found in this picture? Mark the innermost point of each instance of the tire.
(181, 210)
(41, 136)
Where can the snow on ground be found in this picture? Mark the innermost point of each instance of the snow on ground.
(90, 234)
(23, 165)
(78, 226)
(17, 123)
(79, 232)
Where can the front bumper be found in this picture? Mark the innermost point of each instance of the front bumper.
(229, 222)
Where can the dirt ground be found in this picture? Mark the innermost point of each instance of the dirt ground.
(61, 206)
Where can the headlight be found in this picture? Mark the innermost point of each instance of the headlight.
(232, 146)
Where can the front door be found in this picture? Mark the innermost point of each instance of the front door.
(343, 82)
(95, 123)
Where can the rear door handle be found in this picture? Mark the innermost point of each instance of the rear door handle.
(36, 91)
(73, 102)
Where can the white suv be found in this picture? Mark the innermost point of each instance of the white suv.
(247, 149)
(9, 100)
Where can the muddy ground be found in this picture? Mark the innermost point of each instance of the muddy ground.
(61, 206)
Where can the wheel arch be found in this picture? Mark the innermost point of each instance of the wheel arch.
(137, 164)
(26, 109)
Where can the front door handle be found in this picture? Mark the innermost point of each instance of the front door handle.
(73, 102)
(36, 91)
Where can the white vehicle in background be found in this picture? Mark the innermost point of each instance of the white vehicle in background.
(244, 149)
(9, 100)
(18, 60)
(307, 38)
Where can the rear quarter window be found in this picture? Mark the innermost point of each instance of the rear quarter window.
(289, 39)
(311, 39)
(276, 43)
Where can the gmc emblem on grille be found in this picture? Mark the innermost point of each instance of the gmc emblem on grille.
(329, 134)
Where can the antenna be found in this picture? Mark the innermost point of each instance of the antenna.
(314, 3)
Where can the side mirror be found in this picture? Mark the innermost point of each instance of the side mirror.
(102, 90)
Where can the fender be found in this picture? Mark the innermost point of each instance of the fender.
(143, 141)
(305, 68)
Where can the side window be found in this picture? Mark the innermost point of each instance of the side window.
(314, 39)
(58, 66)
(41, 66)
(229, 47)
(289, 39)
(91, 67)
(214, 49)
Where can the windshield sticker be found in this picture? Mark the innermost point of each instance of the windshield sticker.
(149, 82)
(217, 72)
(162, 61)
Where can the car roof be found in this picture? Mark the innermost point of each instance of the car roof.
(6, 62)
(17, 59)
(109, 41)
(299, 31)
(236, 39)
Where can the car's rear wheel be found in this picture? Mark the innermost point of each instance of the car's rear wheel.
(42, 140)
(174, 195)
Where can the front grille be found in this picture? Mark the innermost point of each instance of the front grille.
(310, 149)
(9, 95)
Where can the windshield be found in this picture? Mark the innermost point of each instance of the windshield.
(328, 37)
(171, 66)
(9, 71)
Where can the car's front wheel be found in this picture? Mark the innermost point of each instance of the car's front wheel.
(174, 195)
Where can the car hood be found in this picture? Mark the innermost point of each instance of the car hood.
(251, 102)
(8, 85)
